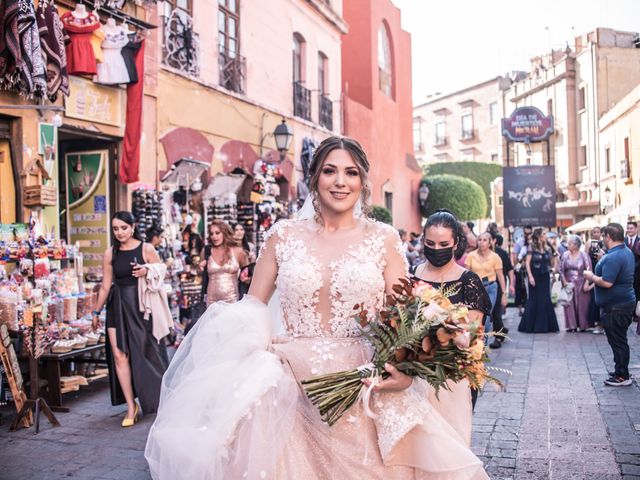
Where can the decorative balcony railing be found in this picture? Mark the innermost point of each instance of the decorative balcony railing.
(326, 111)
(301, 101)
(233, 70)
(181, 47)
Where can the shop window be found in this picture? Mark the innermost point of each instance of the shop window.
(301, 94)
(466, 126)
(625, 166)
(8, 192)
(441, 133)
(385, 62)
(493, 113)
(181, 44)
(232, 65)
(581, 98)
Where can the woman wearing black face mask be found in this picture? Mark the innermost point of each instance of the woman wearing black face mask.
(444, 240)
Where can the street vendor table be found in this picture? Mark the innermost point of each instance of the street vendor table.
(52, 363)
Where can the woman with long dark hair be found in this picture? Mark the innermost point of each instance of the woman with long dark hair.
(246, 272)
(135, 357)
(222, 260)
(539, 315)
(444, 240)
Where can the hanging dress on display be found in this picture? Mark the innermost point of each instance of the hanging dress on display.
(129, 52)
(113, 70)
(80, 57)
(53, 39)
(97, 37)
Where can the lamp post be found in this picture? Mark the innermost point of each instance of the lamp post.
(283, 136)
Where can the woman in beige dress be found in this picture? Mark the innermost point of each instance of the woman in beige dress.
(223, 258)
(232, 406)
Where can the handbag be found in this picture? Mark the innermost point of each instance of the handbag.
(565, 295)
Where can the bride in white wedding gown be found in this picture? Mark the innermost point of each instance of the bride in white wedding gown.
(231, 404)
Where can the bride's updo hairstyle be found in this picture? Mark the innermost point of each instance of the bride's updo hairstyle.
(444, 218)
(359, 157)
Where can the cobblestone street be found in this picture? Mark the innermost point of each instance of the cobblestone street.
(555, 420)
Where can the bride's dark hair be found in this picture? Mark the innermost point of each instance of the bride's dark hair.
(354, 149)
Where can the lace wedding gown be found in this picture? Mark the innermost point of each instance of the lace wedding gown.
(231, 404)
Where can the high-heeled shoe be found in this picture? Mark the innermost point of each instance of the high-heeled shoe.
(130, 422)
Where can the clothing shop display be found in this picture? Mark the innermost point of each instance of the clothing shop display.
(129, 54)
(113, 71)
(21, 63)
(134, 335)
(146, 208)
(53, 40)
(80, 57)
(130, 161)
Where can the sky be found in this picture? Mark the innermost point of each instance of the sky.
(458, 43)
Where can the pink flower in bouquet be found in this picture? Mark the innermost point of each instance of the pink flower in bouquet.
(422, 288)
(462, 340)
(432, 310)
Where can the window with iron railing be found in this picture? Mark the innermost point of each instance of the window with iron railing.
(233, 71)
(441, 134)
(301, 101)
(466, 125)
(181, 45)
(326, 112)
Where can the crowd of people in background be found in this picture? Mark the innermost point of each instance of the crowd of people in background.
(594, 278)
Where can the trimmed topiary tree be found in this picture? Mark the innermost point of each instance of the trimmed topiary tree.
(481, 173)
(462, 196)
(381, 214)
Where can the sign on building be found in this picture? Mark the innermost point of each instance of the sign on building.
(527, 124)
(529, 196)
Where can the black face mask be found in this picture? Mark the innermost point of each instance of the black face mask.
(438, 257)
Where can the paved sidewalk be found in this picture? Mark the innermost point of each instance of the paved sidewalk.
(556, 420)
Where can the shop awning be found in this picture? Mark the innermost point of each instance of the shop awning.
(223, 184)
(584, 225)
(622, 213)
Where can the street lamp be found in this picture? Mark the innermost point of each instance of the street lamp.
(283, 136)
(423, 194)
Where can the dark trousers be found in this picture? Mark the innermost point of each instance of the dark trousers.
(496, 313)
(616, 320)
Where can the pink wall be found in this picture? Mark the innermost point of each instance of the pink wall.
(382, 124)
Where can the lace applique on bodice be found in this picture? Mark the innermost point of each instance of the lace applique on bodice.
(318, 289)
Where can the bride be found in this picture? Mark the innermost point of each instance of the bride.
(232, 406)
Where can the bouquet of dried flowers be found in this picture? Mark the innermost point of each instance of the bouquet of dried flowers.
(422, 334)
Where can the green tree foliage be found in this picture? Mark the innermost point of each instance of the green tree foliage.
(481, 173)
(381, 214)
(462, 196)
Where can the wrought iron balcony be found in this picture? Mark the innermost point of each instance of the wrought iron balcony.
(181, 46)
(301, 101)
(326, 111)
(233, 70)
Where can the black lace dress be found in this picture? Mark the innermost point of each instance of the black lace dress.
(467, 290)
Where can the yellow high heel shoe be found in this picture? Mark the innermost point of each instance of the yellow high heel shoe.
(130, 422)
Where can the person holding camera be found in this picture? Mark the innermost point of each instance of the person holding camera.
(613, 279)
(595, 252)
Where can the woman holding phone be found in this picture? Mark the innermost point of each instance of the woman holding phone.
(135, 357)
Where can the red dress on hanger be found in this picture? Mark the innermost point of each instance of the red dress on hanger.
(80, 57)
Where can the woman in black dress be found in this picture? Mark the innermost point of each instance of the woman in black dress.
(135, 357)
(539, 315)
(443, 241)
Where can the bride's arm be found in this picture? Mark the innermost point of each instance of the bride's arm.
(263, 283)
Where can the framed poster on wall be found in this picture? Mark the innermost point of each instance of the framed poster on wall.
(88, 212)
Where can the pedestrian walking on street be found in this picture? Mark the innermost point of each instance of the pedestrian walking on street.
(222, 260)
(596, 251)
(518, 257)
(613, 279)
(488, 266)
(499, 309)
(137, 358)
(443, 239)
(539, 315)
(573, 264)
(632, 240)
